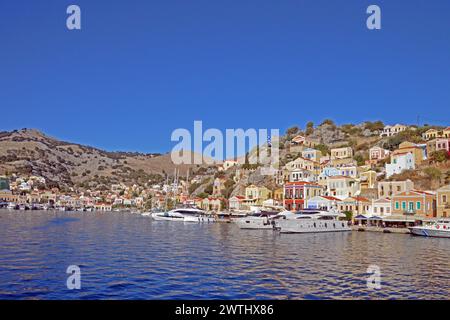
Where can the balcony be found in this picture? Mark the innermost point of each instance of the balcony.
(409, 212)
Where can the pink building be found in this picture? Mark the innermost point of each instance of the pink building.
(377, 153)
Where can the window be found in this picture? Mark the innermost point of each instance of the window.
(444, 198)
(411, 205)
(404, 205)
(418, 205)
(397, 205)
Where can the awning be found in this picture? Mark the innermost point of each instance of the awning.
(360, 217)
(375, 218)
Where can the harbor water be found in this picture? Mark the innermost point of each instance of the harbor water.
(127, 256)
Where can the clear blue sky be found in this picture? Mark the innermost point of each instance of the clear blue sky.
(139, 69)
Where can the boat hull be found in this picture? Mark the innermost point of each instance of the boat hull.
(199, 219)
(429, 232)
(163, 217)
(253, 223)
(182, 218)
(311, 226)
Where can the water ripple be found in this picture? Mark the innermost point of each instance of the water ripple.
(125, 256)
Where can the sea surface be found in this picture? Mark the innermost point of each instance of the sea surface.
(127, 256)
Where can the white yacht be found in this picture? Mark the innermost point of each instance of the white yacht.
(11, 206)
(439, 228)
(311, 221)
(261, 220)
(184, 215)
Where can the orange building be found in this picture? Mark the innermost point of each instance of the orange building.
(414, 202)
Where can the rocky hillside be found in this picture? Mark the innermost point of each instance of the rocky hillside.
(65, 164)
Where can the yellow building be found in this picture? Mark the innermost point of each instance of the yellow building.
(305, 164)
(213, 204)
(341, 153)
(255, 196)
(357, 205)
(443, 201)
(368, 179)
(7, 196)
(431, 134)
(446, 133)
(406, 147)
(278, 196)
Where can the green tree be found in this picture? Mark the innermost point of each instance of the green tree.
(309, 128)
(148, 203)
(359, 159)
(374, 126)
(348, 215)
(209, 189)
(440, 156)
(202, 195)
(433, 173)
(327, 122)
(193, 187)
(324, 149)
(292, 130)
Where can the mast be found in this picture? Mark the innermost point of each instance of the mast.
(167, 194)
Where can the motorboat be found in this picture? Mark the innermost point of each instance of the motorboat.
(261, 220)
(11, 206)
(184, 215)
(439, 229)
(311, 221)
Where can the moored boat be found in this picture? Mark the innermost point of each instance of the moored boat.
(312, 221)
(261, 220)
(11, 206)
(184, 215)
(438, 229)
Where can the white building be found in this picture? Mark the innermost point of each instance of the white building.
(380, 207)
(236, 203)
(342, 187)
(377, 153)
(389, 131)
(302, 175)
(322, 203)
(348, 171)
(312, 154)
(400, 162)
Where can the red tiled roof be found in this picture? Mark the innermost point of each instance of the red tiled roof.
(300, 183)
(357, 198)
(331, 198)
(414, 191)
(423, 192)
